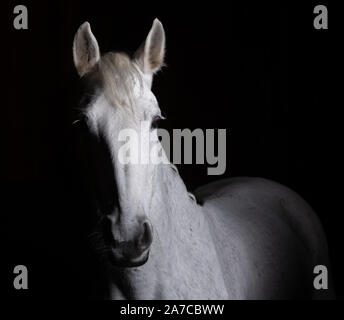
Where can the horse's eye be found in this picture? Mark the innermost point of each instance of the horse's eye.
(155, 122)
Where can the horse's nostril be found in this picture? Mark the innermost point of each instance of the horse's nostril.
(146, 237)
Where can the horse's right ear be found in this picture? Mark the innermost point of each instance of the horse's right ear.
(85, 49)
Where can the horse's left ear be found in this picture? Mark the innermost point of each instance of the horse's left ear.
(150, 56)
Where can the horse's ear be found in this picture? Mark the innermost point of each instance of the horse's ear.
(85, 49)
(150, 56)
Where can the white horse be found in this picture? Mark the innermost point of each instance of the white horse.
(248, 239)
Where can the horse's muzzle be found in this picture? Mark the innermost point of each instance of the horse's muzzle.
(131, 253)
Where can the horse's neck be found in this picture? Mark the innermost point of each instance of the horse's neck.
(174, 204)
(187, 251)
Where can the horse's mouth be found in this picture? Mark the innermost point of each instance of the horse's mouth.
(122, 261)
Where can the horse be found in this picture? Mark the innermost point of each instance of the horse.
(237, 238)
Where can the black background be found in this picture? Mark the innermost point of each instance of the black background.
(260, 70)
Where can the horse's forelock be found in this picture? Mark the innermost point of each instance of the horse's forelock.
(119, 77)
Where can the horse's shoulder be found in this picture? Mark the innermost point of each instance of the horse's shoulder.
(245, 200)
